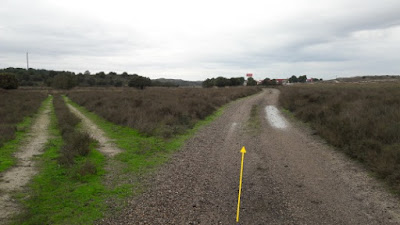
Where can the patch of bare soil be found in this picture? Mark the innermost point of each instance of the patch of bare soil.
(290, 177)
(17, 177)
(106, 146)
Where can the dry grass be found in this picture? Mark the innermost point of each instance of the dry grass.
(361, 119)
(14, 106)
(157, 111)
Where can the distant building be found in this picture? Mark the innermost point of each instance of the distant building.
(282, 81)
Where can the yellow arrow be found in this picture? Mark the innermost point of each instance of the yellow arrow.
(240, 183)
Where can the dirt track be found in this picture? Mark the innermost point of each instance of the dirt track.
(106, 146)
(290, 177)
(17, 177)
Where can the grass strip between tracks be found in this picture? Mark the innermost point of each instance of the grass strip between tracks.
(142, 153)
(58, 196)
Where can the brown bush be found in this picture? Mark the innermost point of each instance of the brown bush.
(157, 111)
(88, 168)
(14, 106)
(361, 119)
(76, 143)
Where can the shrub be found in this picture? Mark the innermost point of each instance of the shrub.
(8, 81)
(15, 105)
(158, 111)
(88, 168)
(362, 120)
(139, 82)
(64, 81)
(76, 143)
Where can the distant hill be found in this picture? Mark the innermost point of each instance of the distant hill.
(369, 78)
(178, 82)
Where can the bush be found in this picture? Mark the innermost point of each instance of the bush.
(8, 81)
(76, 143)
(88, 168)
(64, 81)
(139, 82)
(362, 120)
(158, 111)
(15, 105)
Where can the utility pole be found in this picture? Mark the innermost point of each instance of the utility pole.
(27, 61)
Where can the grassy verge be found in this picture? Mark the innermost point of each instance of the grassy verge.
(9, 148)
(64, 195)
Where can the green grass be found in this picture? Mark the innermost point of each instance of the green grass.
(142, 153)
(58, 195)
(254, 122)
(7, 159)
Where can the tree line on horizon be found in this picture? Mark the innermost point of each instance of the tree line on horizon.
(240, 81)
(11, 78)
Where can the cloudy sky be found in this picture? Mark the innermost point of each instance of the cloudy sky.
(194, 40)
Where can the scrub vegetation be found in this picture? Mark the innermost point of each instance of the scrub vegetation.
(68, 188)
(76, 184)
(363, 120)
(161, 112)
(16, 110)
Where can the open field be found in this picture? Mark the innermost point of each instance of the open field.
(121, 175)
(162, 112)
(14, 107)
(362, 120)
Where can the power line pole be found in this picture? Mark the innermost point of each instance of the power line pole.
(27, 61)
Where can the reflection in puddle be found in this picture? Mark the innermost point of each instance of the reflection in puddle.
(274, 117)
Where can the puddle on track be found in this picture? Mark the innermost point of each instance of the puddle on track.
(275, 118)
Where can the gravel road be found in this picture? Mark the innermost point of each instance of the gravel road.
(290, 177)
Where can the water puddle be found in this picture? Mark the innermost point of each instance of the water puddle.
(275, 118)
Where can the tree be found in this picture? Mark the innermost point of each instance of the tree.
(118, 83)
(208, 83)
(91, 81)
(64, 81)
(268, 81)
(251, 82)
(8, 81)
(293, 79)
(303, 79)
(139, 82)
(236, 81)
(222, 82)
(101, 75)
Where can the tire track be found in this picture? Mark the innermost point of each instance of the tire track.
(106, 146)
(290, 177)
(16, 178)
